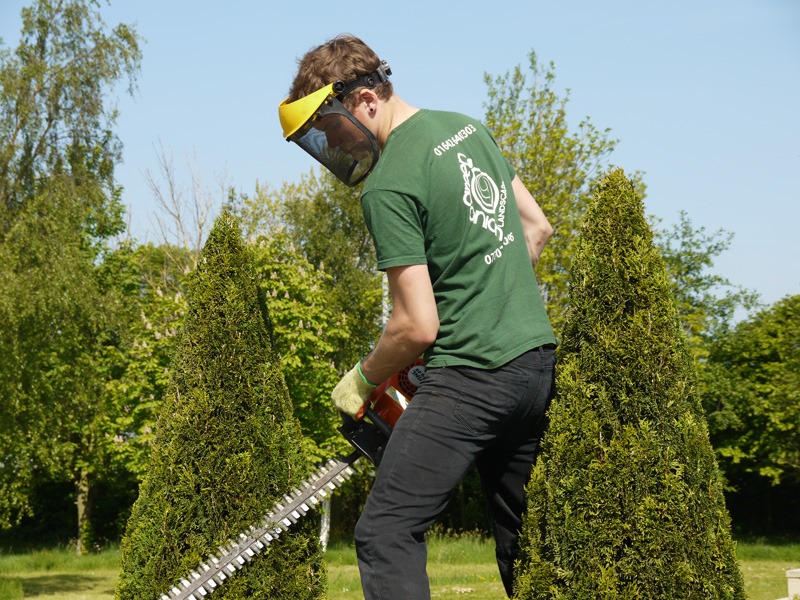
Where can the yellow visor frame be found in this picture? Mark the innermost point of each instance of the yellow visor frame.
(294, 115)
(321, 125)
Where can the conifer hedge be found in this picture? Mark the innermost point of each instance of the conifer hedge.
(226, 446)
(626, 499)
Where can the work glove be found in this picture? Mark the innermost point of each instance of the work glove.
(352, 392)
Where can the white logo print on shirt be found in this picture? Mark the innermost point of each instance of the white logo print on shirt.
(487, 203)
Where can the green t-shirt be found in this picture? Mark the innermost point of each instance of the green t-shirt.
(441, 195)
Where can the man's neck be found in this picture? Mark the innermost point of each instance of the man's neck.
(397, 111)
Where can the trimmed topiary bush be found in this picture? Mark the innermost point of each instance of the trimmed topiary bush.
(626, 499)
(226, 445)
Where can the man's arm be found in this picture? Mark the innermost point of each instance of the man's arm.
(536, 227)
(412, 326)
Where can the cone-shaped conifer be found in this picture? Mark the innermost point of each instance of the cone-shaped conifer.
(626, 499)
(226, 445)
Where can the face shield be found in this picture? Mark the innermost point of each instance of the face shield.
(321, 125)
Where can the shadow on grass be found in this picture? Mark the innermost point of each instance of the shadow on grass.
(42, 585)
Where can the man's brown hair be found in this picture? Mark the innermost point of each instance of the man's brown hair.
(343, 58)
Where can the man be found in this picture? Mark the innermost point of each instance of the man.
(458, 235)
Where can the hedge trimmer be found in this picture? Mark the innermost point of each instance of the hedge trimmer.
(368, 437)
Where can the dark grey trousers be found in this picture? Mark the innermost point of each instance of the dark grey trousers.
(459, 416)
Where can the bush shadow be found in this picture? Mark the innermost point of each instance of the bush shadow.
(44, 585)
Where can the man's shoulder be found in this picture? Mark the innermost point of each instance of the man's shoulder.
(422, 141)
(449, 116)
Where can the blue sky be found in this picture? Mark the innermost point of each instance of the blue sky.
(703, 96)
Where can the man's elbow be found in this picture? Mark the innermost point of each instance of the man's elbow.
(425, 333)
(547, 231)
(537, 236)
(422, 332)
(416, 332)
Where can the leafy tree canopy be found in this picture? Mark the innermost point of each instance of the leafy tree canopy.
(755, 403)
(528, 118)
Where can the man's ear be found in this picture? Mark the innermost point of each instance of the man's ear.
(370, 98)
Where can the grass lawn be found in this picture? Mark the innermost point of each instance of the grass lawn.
(457, 567)
(764, 567)
(57, 574)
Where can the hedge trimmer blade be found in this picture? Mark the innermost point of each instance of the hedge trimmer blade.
(212, 573)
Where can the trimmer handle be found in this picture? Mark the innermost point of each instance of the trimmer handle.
(382, 410)
(368, 437)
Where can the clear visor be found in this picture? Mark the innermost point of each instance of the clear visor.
(337, 140)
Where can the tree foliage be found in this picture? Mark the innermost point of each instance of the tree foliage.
(528, 118)
(62, 312)
(317, 262)
(324, 219)
(226, 446)
(50, 340)
(157, 297)
(321, 218)
(308, 335)
(55, 119)
(756, 402)
(706, 301)
(626, 500)
(313, 243)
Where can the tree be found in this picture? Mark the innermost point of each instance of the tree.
(54, 116)
(706, 301)
(757, 408)
(159, 297)
(138, 383)
(322, 220)
(312, 328)
(323, 217)
(226, 445)
(57, 322)
(707, 304)
(64, 319)
(312, 239)
(325, 295)
(308, 335)
(183, 215)
(626, 500)
(529, 122)
(59, 206)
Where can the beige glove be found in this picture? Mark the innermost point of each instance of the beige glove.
(352, 392)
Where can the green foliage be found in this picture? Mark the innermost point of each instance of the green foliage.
(54, 115)
(756, 403)
(316, 260)
(706, 304)
(61, 312)
(156, 294)
(706, 301)
(308, 334)
(324, 219)
(626, 499)
(226, 445)
(529, 122)
(62, 322)
(319, 221)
